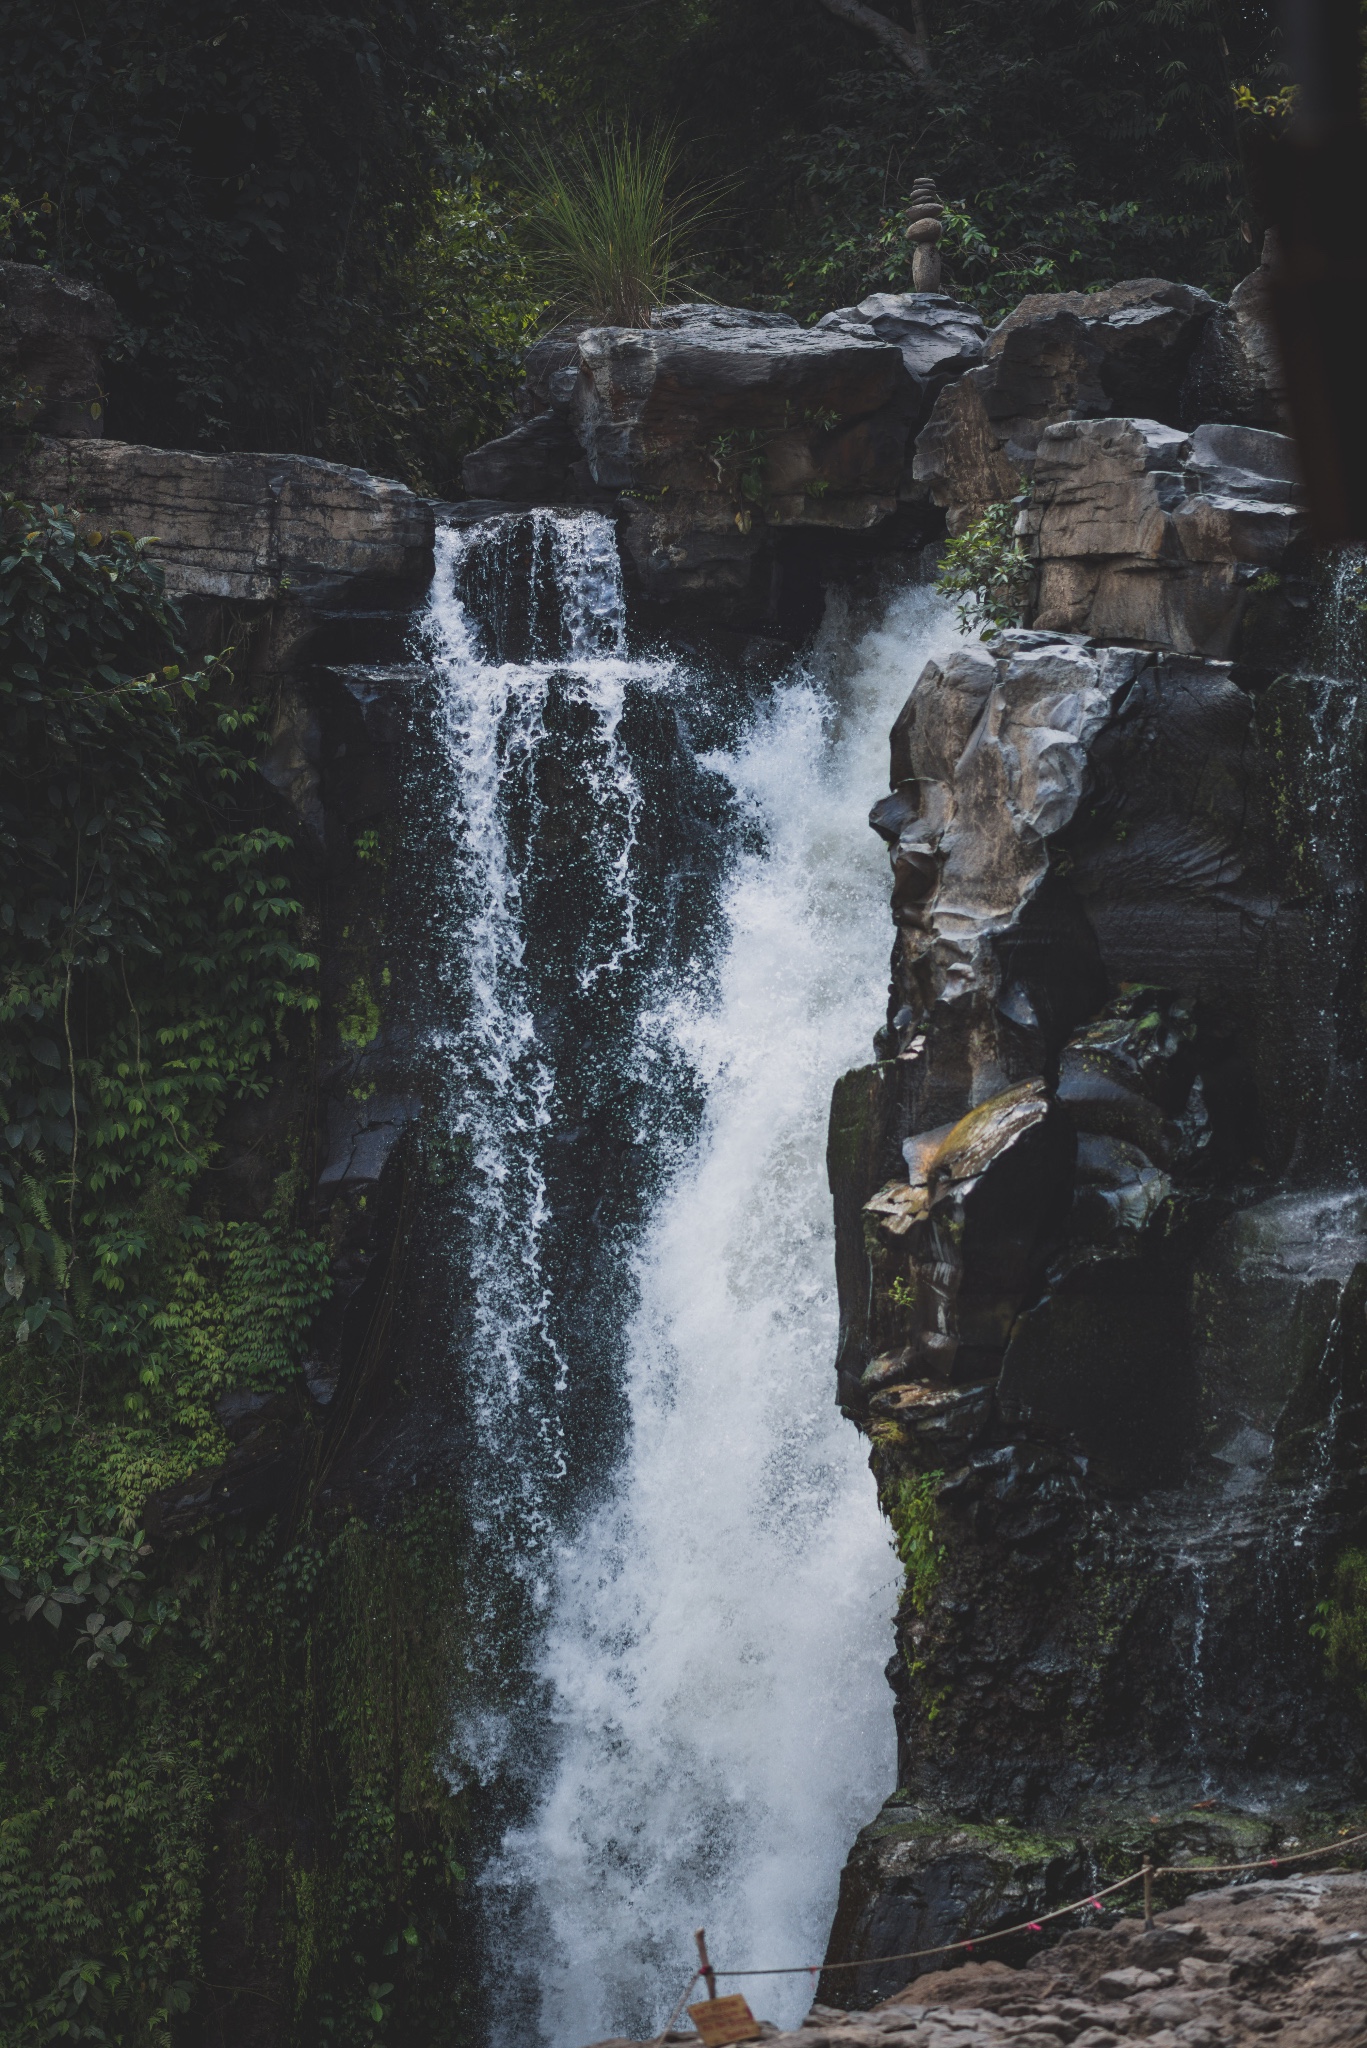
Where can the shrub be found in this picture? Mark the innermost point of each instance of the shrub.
(608, 235)
(986, 572)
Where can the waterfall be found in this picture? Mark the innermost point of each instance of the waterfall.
(699, 1711)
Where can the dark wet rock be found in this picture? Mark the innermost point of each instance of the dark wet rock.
(532, 464)
(915, 1880)
(1145, 534)
(1236, 372)
(1126, 887)
(53, 330)
(652, 404)
(1270, 1293)
(361, 1135)
(955, 1250)
(1065, 355)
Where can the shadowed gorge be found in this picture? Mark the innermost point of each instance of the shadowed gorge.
(683, 1039)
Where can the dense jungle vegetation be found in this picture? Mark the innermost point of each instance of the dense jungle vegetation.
(307, 212)
(219, 1743)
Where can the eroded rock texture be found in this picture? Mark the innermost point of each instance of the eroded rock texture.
(1059, 355)
(1144, 533)
(239, 527)
(1269, 1960)
(1282, 1960)
(1101, 1233)
(716, 432)
(747, 457)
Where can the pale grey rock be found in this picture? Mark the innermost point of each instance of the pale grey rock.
(1061, 355)
(244, 527)
(996, 742)
(1144, 534)
(939, 339)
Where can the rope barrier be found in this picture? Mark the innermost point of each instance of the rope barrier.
(1034, 1926)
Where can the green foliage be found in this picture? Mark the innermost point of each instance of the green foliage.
(284, 202)
(608, 234)
(435, 352)
(250, 1798)
(1079, 141)
(986, 572)
(911, 1507)
(151, 972)
(152, 982)
(1340, 1623)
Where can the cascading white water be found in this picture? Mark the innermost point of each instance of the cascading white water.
(713, 1629)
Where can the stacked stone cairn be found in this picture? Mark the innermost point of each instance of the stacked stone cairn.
(925, 225)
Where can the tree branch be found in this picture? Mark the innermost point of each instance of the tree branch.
(909, 50)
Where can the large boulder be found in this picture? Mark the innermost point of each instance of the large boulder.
(246, 527)
(1059, 355)
(715, 430)
(1144, 533)
(939, 339)
(532, 464)
(990, 760)
(52, 332)
(717, 400)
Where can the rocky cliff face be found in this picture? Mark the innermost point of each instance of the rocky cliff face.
(1101, 1235)
(1101, 1229)
(748, 459)
(311, 572)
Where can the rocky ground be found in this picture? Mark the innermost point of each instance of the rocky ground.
(1283, 1960)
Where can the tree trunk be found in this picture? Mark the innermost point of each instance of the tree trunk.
(909, 50)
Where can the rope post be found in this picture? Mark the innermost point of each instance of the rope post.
(1148, 1895)
(709, 1975)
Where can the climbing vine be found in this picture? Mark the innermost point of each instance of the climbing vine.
(1340, 1623)
(217, 1736)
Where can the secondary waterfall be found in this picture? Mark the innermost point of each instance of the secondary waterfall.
(665, 934)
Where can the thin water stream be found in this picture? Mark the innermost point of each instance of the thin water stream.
(665, 934)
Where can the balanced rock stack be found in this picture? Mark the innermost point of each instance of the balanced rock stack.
(925, 225)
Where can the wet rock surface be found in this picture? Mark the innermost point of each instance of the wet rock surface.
(1281, 1960)
(1114, 1384)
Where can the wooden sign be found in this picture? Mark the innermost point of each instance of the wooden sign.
(720, 2021)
